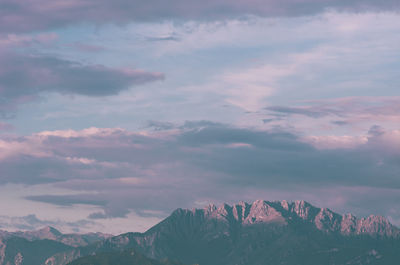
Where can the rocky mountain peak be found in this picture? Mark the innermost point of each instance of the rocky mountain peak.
(328, 221)
(263, 212)
(304, 210)
(284, 213)
(285, 205)
(377, 226)
(49, 231)
(224, 209)
(210, 208)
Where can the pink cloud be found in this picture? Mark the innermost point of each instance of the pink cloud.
(336, 142)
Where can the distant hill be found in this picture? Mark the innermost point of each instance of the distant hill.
(35, 247)
(20, 251)
(48, 232)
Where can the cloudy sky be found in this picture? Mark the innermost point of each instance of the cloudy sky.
(114, 113)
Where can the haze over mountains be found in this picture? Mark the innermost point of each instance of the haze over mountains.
(48, 232)
(262, 232)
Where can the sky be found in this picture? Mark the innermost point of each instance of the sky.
(115, 113)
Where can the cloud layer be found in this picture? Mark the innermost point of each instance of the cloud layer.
(116, 170)
(303, 96)
(33, 15)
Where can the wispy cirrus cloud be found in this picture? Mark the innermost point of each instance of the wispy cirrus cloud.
(350, 112)
(344, 107)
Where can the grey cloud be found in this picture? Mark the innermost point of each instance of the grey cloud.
(24, 77)
(199, 124)
(313, 112)
(340, 123)
(281, 158)
(244, 154)
(68, 200)
(376, 131)
(226, 135)
(111, 209)
(33, 170)
(344, 108)
(87, 47)
(168, 38)
(23, 16)
(97, 215)
(267, 120)
(160, 126)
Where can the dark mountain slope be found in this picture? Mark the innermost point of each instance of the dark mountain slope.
(20, 251)
(127, 257)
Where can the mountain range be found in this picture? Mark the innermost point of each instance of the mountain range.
(34, 247)
(48, 232)
(259, 233)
